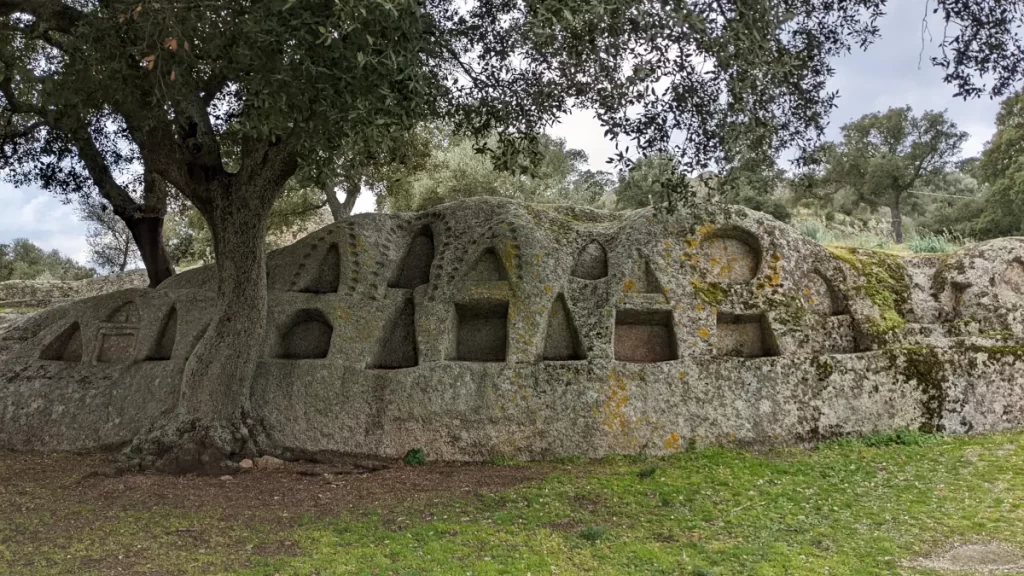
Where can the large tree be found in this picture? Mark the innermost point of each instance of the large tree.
(884, 155)
(269, 82)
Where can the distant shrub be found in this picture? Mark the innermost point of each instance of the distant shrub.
(935, 243)
(815, 231)
(415, 457)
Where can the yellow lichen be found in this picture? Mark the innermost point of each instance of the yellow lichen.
(704, 333)
(673, 442)
(628, 286)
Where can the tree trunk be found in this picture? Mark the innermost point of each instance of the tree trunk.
(897, 222)
(353, 186)
(211, 427)
(148, 233)
(126, 250)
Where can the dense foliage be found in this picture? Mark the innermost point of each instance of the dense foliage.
(456, 170)
(22, 260)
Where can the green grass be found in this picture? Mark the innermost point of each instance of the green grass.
(851, 507)
(935, 243)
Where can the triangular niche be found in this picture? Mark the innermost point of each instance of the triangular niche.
(327, 275)
(562, 340)
(66, 347)
(164, 347)
(649, 283)
(398, 343)
(488, 268)
(414, 269)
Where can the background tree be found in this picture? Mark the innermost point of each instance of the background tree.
(22, 260)
(1001, 167)
(111, 246)
(883, 155)
(456, 169)
(647, 182)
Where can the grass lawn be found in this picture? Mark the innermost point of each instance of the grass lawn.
(862, 507)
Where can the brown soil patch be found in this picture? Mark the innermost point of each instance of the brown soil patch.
(297, 488)
(983, 558)
(47, 499)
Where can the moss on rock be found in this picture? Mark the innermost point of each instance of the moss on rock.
(885, 283)
(923, 365)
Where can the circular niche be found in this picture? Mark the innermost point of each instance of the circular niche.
(732, 256)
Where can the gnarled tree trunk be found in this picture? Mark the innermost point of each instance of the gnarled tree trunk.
(148, 233)
(212, 426)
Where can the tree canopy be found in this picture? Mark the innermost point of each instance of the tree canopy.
(456, 169)
(883, 155)
(23, 260)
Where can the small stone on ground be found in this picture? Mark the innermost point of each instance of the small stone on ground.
(268, 462)
(246, 464)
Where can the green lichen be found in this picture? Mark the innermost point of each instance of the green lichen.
(823, 367)
(924, 366)
(713, 294)
(885, 283)
(1016, 352)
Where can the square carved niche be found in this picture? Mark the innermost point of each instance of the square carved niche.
(481, 331)
(644, 336)
(744, 336)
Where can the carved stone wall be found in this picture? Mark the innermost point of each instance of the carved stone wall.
(489, 327)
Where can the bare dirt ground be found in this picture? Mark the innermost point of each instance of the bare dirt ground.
(49, 500)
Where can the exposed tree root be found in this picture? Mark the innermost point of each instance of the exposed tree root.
(187, 446)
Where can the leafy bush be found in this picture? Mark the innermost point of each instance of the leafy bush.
(415, 457)
(815, 231)
(935, 243)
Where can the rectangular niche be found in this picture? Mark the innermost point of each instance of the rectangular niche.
(481, 331)
(644, 336)
(115, 346)
(744, 336)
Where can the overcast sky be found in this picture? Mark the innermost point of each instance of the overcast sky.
(886, 75)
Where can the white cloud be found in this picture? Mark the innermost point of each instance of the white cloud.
(34, 214)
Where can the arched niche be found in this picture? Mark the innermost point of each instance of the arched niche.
(488, 267)
(819, 295)
(591, 263)
(731, 255)
(307, 336)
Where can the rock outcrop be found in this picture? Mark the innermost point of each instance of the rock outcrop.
(492, 328)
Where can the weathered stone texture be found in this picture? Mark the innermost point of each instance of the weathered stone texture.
(493, 328)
